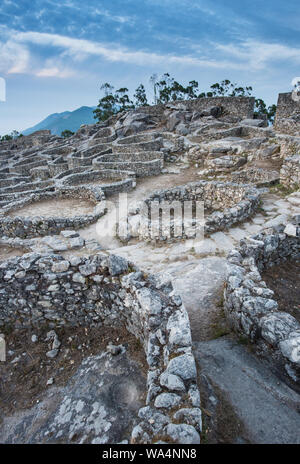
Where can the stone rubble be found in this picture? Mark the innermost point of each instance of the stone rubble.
(63, 278)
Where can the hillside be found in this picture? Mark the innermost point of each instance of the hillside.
(138, 300)
(58, 122)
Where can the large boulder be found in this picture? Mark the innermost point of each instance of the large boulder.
(255, 122)
(174, 119)
(215, 111)
(132, 123)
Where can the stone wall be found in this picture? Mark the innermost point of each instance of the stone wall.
(249, 305)
(120, 181)
(258, 176)
(27, 227)
(232, 203)
(290, 172)
(140, 168)
(106, 290)
(57, 166)
(35, 139)
(134, 148)
(289, 145)
(241, 107)
(287, 118)
(142, 164)
(24, 167)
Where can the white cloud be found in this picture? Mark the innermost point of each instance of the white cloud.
(54, 72)
(117, 18)
(54, 67)
(81, 48)
(14, 57)
(259, 54)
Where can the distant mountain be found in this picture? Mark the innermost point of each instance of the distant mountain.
(70, 120)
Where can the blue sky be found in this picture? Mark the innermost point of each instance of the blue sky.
(55, 54)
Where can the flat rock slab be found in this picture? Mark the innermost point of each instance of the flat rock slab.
(268, 408)
(201, 288)
(99, 404)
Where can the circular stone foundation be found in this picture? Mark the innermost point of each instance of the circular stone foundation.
(64, 207)
(51, 212)
(109, 180)
(192, 210)
(249, 304)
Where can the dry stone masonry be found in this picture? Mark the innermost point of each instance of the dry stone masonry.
(250, 306)
(27, 227)
(230, 203)
(103, 291)
(288, 115)
(290, 172)
(54, 268)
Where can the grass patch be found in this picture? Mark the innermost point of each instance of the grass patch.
(221, 332)
(220, 303)
(243, 340)
(282, 190)
(261, 210)
(219, 327)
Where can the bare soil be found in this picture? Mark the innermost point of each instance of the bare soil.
(10, 252)
(268, 164)
(284, 280)
(24, 375)
(146, 186)
(66, 207)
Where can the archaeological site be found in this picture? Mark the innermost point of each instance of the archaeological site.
(150, 278)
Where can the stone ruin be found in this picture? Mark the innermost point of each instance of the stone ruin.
(56, 270)
(288, 114)
(250, 305)
(229, 204)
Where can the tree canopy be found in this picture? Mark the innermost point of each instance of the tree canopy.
(67, 133)
(13, 135)
(166, 89)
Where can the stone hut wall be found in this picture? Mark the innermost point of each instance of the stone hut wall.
(28, 227)
(249, 305)
(290, 172)
(105, 290)
(287, 118)
(231, 202)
